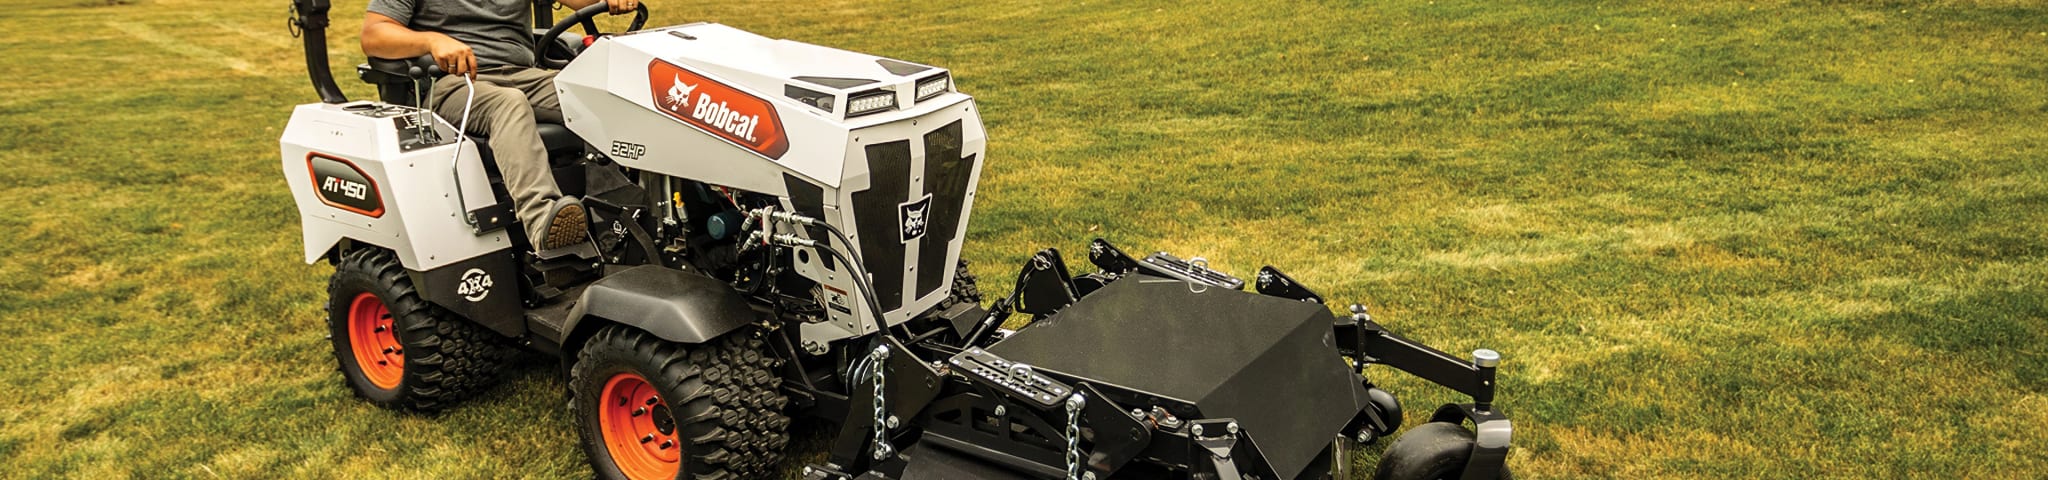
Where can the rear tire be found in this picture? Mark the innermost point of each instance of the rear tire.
(397, 350)
(653, 409)
(1434, 450)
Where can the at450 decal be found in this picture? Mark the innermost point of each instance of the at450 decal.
(340, 184)
(718, 109)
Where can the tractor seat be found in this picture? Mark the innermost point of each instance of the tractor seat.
(558, 139)
(562, 145)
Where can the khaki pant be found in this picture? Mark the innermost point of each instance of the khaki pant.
(509, 101)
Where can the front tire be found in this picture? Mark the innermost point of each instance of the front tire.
(966, 288)
(1434, 450)
(395, 349)
(652, 409)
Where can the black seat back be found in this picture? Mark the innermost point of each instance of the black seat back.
(400, 82)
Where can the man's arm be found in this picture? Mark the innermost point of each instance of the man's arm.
(618, 6)
(384, 37)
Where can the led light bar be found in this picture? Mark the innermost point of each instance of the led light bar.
(932, 87)
(870, 102)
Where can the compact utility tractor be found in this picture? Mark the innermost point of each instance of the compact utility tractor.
(776, 233)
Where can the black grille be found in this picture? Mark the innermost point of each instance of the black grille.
(878, 213)
(874, 213)
(946, 174)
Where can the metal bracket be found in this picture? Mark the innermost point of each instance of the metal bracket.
(1368, 342)
(489, 218)
(1118, 437)
(1492, 435)
(1108, 258)
(1215, 440)
(1045, 287)
(1271, 282)
(912, 385)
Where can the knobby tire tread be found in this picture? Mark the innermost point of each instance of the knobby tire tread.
(725, 396)
(448, 359)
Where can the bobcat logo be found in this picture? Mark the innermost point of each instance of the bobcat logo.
(679, 94)
(913, 217)
(724, 111)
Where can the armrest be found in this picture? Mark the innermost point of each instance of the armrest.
(386, 70)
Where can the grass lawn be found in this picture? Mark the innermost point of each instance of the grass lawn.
(1712, 239)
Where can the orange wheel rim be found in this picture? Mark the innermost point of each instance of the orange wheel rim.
(638, 429)
(373, 337)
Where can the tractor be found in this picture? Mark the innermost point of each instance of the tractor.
(776, 232)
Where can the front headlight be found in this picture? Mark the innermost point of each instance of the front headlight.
(870, 102)
(932, 87)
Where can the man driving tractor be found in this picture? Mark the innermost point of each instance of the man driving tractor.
(488, 41)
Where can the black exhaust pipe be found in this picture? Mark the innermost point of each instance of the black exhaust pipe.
(310, 16)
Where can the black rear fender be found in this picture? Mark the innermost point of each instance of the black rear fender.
(674, 305)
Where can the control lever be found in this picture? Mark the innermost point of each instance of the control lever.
(462, 135)
(423, 121)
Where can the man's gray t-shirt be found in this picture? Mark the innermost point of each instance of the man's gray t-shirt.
(495, 29)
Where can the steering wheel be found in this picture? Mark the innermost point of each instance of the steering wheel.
(549, 40)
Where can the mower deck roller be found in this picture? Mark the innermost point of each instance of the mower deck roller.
(776, 232)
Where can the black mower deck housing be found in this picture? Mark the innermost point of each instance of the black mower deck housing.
(1205, 352)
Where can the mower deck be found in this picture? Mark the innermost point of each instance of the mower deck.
(1267, 362)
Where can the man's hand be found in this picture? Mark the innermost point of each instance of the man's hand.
(618, 6)
(452, 55)
(621, 7)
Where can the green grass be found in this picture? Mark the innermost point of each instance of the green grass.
(1712, 239)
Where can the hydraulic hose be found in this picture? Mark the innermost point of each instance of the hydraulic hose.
(800, 219)
(841, 238)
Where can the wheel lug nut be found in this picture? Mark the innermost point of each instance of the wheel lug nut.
(651, 400)
(388, 350)
(639, 411)
(381, 362)
(380, 329)
(665, 444)
(648, 438)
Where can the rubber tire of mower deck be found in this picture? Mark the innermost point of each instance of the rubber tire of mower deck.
(1434, 450)
(724, 398)
(446, 358)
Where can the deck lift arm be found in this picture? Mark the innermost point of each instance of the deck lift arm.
(1367, 342)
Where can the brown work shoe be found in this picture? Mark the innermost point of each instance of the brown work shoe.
(567, 226)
